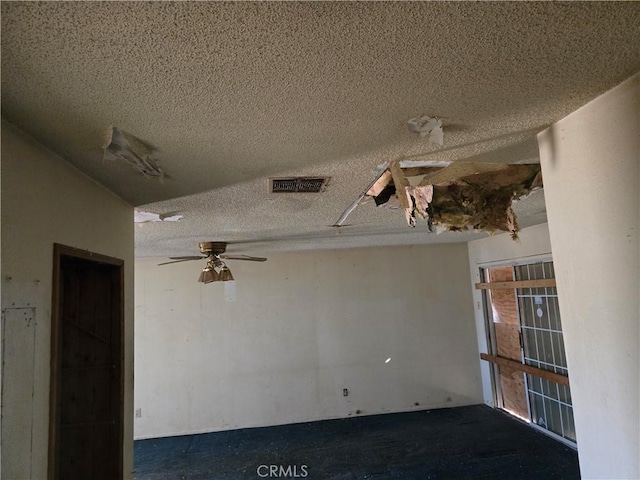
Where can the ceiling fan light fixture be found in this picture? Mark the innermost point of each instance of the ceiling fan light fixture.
(209, 274)
(215, 269)
(225, 274)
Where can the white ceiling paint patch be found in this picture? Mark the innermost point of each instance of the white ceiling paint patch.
(124, 146)
(427, 126)
(146, 217)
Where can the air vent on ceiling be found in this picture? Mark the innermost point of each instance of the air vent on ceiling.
(298, 184)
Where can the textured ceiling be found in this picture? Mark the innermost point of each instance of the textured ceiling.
(229, 94)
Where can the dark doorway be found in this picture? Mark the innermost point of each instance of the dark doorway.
(86, 403)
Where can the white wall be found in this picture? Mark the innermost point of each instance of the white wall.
(304, 327)
(45, 201)
(591, 168)
(534, 245)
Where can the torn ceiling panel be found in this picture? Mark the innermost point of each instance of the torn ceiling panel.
(379, 172)
(124, 146)
(462, 196)
(402, 192)
(458, 170)
(380, 184)
(140, 216)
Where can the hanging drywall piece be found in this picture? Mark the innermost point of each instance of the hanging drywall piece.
(404, 193)
(380, 184)
(422, 197)
(414, 200)
(379, 172)
(460, 196)
(126, 147)
(383, 189)
(454, 196)
(145, 217)
(402, 185)
(427, 126)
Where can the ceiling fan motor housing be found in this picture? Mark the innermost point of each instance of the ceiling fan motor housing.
(213, 248)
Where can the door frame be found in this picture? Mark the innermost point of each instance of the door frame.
(60, 251)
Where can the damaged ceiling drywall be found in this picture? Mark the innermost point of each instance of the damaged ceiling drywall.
(461, 196)
(125, 147)
(226, 95)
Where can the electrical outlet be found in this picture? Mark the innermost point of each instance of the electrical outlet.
(345, 392)
(138, 413)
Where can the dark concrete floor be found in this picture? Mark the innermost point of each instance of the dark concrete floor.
(473, 442)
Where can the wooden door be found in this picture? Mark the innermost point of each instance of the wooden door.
(86, 425)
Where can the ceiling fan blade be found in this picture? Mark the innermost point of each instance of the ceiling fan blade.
(243, 257)
(181, 259)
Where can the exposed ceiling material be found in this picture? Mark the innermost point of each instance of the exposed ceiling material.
(462, 196)
(124, 146)
(229, 94)
(215, 270)
(380, 171)
(483, 201)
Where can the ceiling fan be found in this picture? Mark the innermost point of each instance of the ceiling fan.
(215, 270)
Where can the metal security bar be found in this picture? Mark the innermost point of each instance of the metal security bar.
(543, 346)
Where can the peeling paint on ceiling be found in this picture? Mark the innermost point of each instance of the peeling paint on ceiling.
(140, 216)
(125, 147)
(426, 126)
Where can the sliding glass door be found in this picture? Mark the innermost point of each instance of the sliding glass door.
(530, 373)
